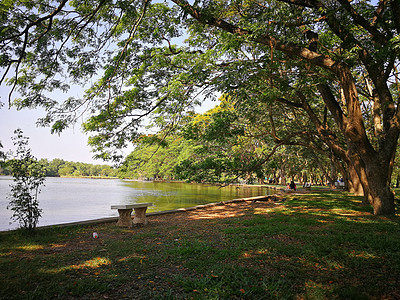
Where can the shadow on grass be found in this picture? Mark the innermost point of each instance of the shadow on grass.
(323, 245)
(330, 200)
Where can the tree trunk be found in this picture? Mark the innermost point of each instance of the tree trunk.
(373, 166)
(276, 178)
(374, 173)
(329, 179)
(305, 177)
(283, 179)
(354, 184)
(380, 195)
(282, 173)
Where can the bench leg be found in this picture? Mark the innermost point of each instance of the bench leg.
(140, 216)
(125, 219)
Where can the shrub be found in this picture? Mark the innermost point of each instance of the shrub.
(28, 176)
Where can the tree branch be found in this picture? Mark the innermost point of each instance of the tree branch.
(303, 3)
(395, 6)
(333, 105)
(25, 33)
(358, 19)
(378, 12)
(289, 103)
(291, 49)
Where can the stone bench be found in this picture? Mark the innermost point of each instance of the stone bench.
(125, 211)
(339, 185)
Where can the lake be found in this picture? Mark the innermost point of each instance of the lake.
(65, 200)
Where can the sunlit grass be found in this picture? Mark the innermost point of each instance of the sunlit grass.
(30, 247)
(91, 263)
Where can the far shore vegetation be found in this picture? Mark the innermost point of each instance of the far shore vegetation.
(61, 168)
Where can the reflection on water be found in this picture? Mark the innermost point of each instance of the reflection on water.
(66, 200)
(167, 196)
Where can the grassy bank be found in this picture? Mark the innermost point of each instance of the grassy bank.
(313, 246)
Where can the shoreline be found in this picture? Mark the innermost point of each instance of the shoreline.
(157, 213)
(278, 188)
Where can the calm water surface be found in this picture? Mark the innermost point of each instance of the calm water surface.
(66, 200)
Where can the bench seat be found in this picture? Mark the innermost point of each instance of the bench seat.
(130, 206)
(125, 211)
(339, 185)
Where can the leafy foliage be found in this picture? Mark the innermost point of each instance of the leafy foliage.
(28, 176)
(224, 154)
(242, 144)
(155, 158)
(2, 155)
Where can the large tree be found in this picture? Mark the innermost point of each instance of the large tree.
(240, 139)
(303, 54)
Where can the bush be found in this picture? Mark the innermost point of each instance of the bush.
(28, 176)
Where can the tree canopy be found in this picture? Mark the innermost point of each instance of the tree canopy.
(152, 160)
(318, 74)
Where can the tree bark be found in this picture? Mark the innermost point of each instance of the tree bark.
(372, 167)
(354, 183)
(305, 177)
(381, 197)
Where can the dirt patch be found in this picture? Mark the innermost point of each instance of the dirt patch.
(220, 211)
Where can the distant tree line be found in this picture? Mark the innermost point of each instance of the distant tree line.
(59, 168)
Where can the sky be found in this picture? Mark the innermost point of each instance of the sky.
(70, 145)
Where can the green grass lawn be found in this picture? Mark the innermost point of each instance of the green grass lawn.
(321, 245)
